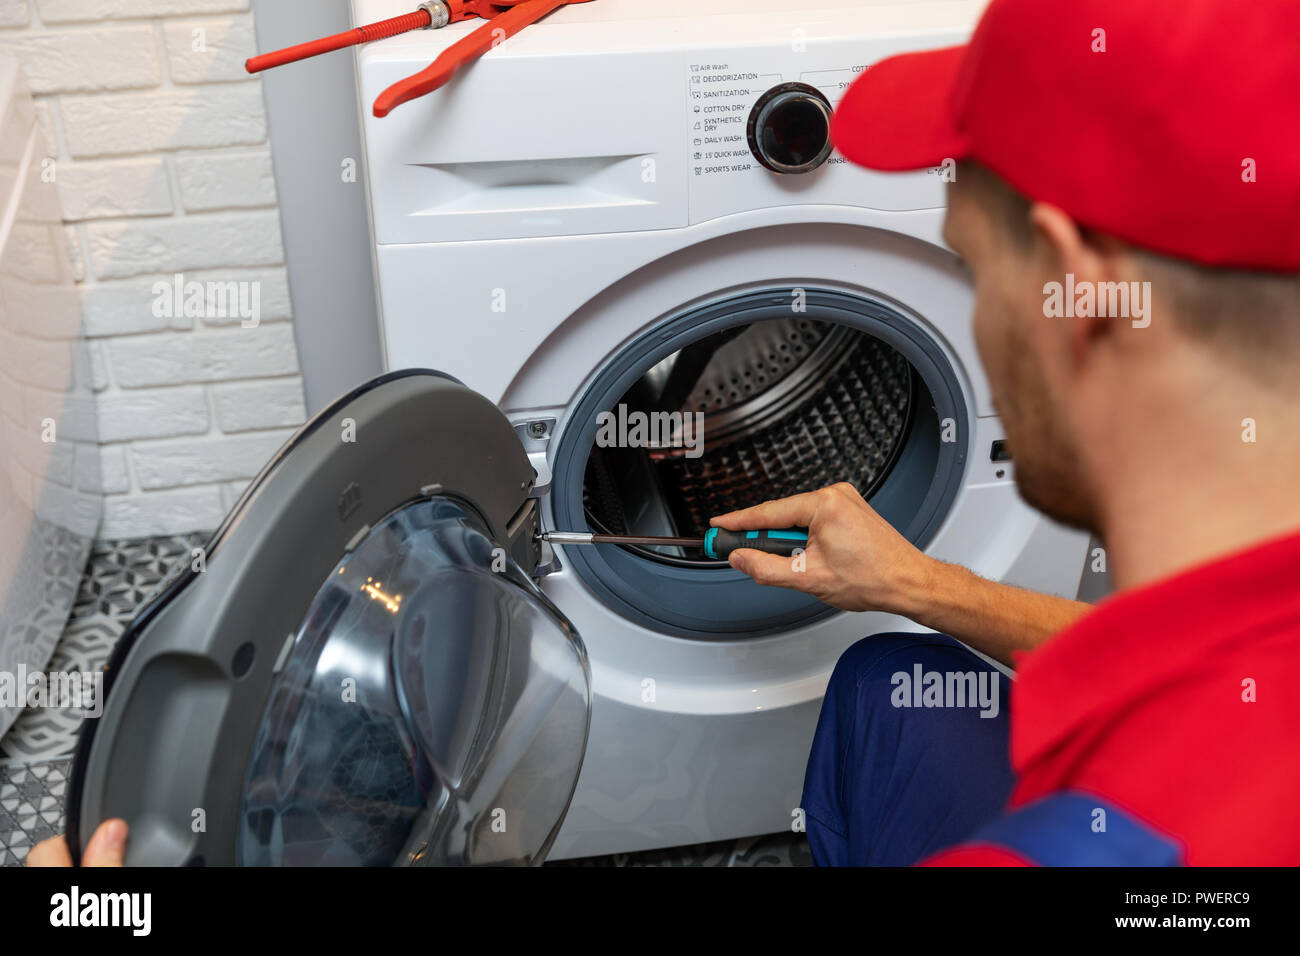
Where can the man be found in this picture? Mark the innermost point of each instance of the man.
(1143, 160)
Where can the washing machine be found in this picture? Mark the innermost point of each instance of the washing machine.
(635, 203)
(631, 207)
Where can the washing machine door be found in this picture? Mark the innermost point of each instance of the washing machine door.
(359, 669)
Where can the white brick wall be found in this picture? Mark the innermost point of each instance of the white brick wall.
(162, 165)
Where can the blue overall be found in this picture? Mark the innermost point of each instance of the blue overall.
(891, 781)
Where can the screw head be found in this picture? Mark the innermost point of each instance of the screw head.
(537, 429)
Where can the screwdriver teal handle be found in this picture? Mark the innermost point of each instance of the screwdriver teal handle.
(719, 543)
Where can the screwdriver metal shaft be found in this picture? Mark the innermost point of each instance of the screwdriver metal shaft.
(577, 537)
(718, 543)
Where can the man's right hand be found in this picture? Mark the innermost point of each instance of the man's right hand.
(854, 561)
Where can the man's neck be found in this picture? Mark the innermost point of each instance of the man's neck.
(1198, 488)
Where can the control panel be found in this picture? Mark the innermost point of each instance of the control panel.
(742, 120)
(759, 135)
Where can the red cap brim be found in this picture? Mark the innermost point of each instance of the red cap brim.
(898, 114)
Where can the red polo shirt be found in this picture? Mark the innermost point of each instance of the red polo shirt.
(1178, 702)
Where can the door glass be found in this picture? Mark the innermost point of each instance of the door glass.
(433, 709)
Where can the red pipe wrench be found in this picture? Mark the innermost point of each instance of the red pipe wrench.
(505, 19)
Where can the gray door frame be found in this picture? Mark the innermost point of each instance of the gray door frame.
(315, 134)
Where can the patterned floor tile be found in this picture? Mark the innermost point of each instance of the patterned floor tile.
(778, 849)
(39, 594)
(50, 732)
(121, 576)
(31, 806)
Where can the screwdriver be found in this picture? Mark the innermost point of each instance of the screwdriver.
(718, 543)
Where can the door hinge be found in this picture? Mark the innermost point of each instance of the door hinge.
(535, 434)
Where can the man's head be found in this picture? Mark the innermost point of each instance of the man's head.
(1127, 200)
(1074, 326)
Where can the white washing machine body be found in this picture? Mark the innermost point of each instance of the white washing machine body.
(567, 197)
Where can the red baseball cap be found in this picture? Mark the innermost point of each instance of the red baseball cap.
(1171, 124)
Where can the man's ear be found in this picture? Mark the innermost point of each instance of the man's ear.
(1071, 254)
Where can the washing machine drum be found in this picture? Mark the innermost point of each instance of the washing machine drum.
(359, 669)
